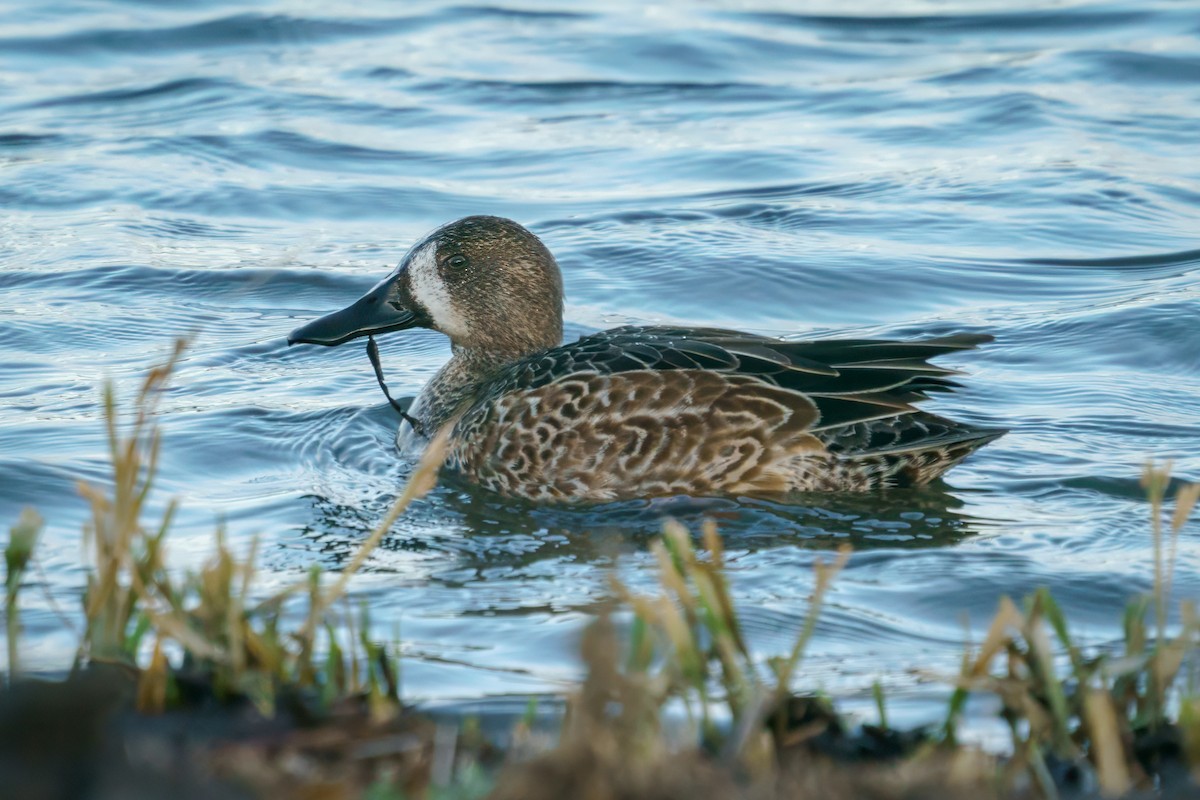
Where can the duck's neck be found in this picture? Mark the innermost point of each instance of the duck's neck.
(450, 392)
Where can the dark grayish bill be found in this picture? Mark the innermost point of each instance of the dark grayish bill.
(370, 314)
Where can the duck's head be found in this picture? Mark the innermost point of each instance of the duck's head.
(485, 282)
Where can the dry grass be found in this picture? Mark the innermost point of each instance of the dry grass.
(1095, 723)
(1104, 711)
(208, 615)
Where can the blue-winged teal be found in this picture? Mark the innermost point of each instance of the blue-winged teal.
(645, 411)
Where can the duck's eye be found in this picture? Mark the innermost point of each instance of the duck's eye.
(458, 261)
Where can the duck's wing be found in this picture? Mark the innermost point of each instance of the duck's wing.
(851, 381)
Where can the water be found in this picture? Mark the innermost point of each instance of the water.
(230, 170)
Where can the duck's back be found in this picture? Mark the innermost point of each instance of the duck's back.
(654, 411)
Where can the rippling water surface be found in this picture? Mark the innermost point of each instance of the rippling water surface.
(873, 168)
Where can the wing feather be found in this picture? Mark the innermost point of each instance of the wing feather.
(849, 380)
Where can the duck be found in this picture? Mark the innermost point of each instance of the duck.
(645, 411)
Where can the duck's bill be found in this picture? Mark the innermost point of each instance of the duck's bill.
(370, 314)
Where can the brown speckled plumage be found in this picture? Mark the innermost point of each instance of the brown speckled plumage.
(643, 412)
(654, 411)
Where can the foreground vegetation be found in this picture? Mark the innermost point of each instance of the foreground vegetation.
(189, 684)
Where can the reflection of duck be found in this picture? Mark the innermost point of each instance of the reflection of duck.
(518, 532)
(460, 536)
(646, 411)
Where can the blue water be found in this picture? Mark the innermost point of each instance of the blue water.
(228, 170)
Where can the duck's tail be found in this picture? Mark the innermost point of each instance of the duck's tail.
(920, 459)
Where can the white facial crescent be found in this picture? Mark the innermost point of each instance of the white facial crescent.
(428, 289)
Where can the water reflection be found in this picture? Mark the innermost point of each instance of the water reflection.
(475, 528)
